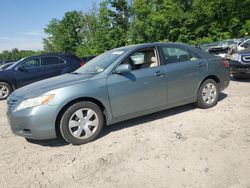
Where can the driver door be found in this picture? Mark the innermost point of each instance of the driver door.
(28, 72)
(143, 88)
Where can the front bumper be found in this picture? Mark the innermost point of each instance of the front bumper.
(239, 68)
(34, 123)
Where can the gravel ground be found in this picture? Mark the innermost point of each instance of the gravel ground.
(181, 147)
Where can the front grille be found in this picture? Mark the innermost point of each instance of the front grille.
(11, 104)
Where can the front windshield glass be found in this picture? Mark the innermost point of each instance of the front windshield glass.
(100, 63)
(229, 43)
(14, 64)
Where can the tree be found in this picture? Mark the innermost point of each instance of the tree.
(64, 35)
(15, 54)
(113, 24)
(120, 22)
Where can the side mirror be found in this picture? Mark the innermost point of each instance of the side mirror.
(124, 68)
(21, 69)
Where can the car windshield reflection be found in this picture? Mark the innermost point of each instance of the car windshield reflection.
(100, 63)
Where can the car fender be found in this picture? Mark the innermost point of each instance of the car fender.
(80, 92)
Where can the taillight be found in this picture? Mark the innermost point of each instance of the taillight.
(82, 63)
(225, 63)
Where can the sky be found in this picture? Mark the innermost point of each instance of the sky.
(22, 21)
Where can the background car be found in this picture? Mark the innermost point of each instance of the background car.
(2, 62)
(35, 68)
(6, 65)
(87, 59)
(204, 47)
(240, 64)
(243, 45)
(224, 47)
(120, 84)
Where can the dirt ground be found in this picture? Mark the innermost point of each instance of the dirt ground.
(181, 147)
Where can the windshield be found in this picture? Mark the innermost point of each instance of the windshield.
(14, 64)
(229, 43)
(100, 63)
(5, 66)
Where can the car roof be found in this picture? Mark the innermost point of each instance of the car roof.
(57, 54)
(53, 54)
(145, 45)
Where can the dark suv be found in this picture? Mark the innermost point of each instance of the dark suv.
(240, 64)
(35, 68)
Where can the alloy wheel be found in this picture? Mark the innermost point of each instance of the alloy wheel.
(4, 92)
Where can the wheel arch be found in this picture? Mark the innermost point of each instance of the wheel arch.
(213, 77)
(9, 83)
(65, 107)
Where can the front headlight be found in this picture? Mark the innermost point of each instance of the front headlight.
(235, 57)
(33, 102)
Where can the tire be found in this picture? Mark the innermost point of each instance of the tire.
(5, 90)
(208, 94)
(82, 123)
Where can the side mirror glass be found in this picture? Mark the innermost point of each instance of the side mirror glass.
(124, 68)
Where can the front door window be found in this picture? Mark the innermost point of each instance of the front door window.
(31, 63)
(142, 59)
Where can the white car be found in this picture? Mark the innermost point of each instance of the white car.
(244, 45)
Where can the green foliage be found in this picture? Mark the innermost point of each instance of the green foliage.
(15, 54)
(90, 33)
(121, 22)
(192, 21)
(65, 34)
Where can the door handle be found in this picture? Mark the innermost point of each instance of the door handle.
(201, 65)
(158, 73)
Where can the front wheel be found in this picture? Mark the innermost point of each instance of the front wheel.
(5, 90)
(208, 94)
(82, 123)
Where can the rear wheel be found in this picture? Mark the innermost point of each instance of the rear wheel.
(82, 123)
(5, 90)
(208, 94)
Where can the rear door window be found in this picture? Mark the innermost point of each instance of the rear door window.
(177, 55)
(48, 61)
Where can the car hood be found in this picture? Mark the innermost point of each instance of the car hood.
(44, 86)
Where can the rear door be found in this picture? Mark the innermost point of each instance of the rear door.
(183, 71)
(52, 66)
(28, 71)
